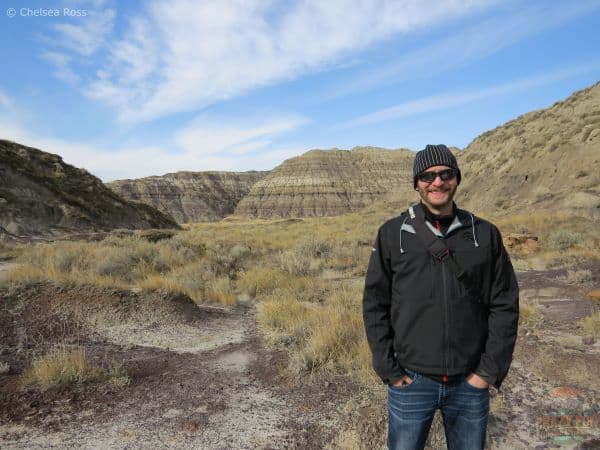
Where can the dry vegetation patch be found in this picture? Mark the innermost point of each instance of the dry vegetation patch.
(68, 367)
(304, 276)
(530, 314)
(591, 324)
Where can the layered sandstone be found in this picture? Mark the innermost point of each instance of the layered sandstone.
(41, 194)
(329, 182)
(190, 196)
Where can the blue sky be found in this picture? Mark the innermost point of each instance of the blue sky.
(131, 89)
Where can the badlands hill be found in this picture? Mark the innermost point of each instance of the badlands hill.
(190, 196)
(41, 194)
(329, 182)
(545, 158)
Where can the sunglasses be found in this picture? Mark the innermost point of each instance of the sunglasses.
(445, 175)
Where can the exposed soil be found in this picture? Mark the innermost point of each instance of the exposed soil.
(202, 377)
(219, 388)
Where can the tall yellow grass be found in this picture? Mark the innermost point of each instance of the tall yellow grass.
(591, 324)
(67, 367)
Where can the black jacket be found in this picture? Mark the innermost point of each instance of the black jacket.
(419, 316)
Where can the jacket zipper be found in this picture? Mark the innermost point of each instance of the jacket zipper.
(446, 323)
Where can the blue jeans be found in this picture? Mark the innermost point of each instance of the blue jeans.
(411, 409)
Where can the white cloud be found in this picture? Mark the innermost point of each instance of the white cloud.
(448, 100)
(76, 41)
(204, 146)
(184, 55)
(5, 102)
(88, 34)
(62, 70)
(471, 44)
(207, 136)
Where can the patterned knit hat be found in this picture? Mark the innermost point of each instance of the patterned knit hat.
(434, 155)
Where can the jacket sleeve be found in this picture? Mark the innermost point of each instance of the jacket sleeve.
(503, 317)
(377, 298)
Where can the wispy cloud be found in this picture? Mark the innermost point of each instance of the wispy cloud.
(62, 71)
(468, 45)
(452, 99)
(87, 35)
(184, 55)
(71, 44)
(209, 136)
(5, 102)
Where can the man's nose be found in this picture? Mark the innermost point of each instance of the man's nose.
(438, 181)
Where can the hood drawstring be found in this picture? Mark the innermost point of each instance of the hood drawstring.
(403, 222)
(474, 235)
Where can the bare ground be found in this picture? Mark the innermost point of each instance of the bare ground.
(202, 377)
(218, 388)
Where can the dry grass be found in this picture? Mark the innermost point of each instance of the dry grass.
(578, 277)
(591, 324)
(67, 367)
(284, 318)
(530, 314)
(565, 238)
(219, 290)
(262, 281)
(118, 261)
(323, 325)
(282, 263)
(227, 261)
(178, 264)
(294, 263)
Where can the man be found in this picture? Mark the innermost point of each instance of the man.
(441, 309)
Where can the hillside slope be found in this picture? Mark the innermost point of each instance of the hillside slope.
(41, 194)
(545, 159)
(190, 196)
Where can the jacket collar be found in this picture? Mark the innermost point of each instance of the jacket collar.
(461, 219)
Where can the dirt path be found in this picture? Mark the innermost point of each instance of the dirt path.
(220, 388)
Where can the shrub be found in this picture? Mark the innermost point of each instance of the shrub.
(262, 280)
(228, 262)
(114, 262)
(315, 248)
(352, 255)
(296, 263)
(564, 239)
(591, 324)
(192, 279)
(530, 315)
(219, 290)
(578, 276)
(65, 367)
(284, 318)
(134, 260)
(183, 248)
(336, 335)
(69, 257)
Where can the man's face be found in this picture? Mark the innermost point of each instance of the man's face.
(437, 194)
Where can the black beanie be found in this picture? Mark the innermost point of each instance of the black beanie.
(434, 155)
